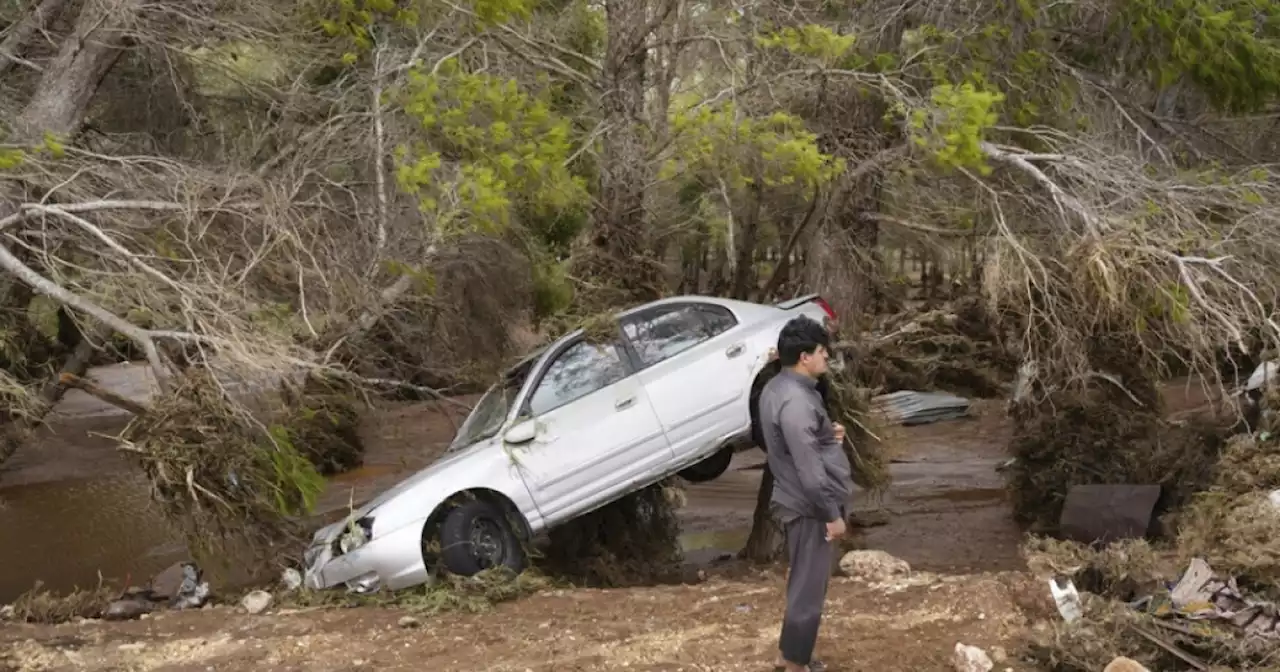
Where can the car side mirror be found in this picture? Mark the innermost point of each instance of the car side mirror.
(522, 432)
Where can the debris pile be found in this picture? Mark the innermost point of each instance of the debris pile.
(228, 483)
(1206, 598)
(1100, 435)
(958, 349)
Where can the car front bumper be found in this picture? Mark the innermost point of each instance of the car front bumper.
(389, 561)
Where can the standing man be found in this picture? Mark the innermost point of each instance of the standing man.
(813, 482)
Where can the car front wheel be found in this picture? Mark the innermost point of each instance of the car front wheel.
(476, 536)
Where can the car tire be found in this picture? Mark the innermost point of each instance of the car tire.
(710, 468)
(476, 536)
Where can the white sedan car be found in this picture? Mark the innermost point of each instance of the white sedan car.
(571, 428)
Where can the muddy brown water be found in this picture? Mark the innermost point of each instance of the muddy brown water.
(72, 509)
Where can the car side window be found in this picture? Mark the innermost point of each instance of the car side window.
(580, 370)
(665, 332)
(718, 319)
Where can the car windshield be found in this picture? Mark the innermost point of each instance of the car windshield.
(492, 409)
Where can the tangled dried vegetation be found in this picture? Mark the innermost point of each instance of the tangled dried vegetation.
(869, 454)
(230, 482)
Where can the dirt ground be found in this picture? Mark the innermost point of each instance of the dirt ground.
(722, 624)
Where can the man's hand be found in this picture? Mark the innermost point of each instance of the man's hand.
(835, 529)
(839, 431)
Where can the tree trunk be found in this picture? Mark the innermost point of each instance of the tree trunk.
(71, 80)
(66, 88)
(620, 251)
(12, 46)
(744, 271)
(765, 543)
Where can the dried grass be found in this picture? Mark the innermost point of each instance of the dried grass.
(1229, 522)
(42, 606)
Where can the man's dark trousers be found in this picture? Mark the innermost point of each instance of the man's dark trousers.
(811, 556)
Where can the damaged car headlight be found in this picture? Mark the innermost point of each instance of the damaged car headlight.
(355, 535)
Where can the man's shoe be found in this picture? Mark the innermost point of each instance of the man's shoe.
(814, 666)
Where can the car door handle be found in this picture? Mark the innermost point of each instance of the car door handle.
(624, 404)
(734, 350)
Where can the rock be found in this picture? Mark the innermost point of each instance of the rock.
(999, 655)
(256, 602)
(166, 584)
(126, 609)
(872, 565)
(971, 659)
(7, 612)
(408, 622)
(1123, 664)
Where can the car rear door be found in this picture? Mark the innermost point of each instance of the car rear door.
(597, 430)
(693, 365)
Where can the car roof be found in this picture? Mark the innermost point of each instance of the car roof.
(742, 307)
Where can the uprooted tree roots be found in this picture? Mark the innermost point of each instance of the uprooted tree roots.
(633, 541)
(321, 421)
(957, 349)
(226, 481)
(1099, 436)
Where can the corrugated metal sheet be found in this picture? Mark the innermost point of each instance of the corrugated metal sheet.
(919, 408)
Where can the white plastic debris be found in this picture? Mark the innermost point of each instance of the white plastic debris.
(291, 579)
(1274, 498)
(1067, 599)
(1266, 372)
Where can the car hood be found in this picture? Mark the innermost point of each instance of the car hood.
(434, 470)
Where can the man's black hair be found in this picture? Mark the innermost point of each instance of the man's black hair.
(802, 335)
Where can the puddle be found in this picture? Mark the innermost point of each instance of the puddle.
(715, 540)
(974, 495)
(65, 533)
(708, 547)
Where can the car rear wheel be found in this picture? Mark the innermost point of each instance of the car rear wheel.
(710, 468)
(476, 536)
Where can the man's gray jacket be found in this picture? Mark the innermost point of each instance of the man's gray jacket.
(812, 476)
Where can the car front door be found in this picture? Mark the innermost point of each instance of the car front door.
(596, 430)
(694, 370)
